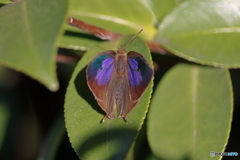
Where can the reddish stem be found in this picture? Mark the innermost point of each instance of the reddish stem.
(96, 31)
(109, 35)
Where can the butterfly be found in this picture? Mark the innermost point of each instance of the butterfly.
(118, 80)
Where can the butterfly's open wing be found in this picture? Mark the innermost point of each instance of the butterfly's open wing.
(99, 74)
(139, 76)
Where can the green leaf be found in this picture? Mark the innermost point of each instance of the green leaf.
(160, 8)
(78, 41)
(121, 16)
(90, 138)
(140, 148)
(205, 32)
(5, 1)
(191, 113)
(30, 30)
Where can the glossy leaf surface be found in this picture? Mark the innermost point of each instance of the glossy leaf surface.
(205, 32)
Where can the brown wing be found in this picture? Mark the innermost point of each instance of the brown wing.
(99, 78)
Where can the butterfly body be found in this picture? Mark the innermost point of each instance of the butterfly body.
(117, 80)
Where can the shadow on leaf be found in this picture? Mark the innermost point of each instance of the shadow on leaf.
(84, 91)
(111, 143)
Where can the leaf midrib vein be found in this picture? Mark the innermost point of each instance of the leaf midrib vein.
(107, 18)
(37, 58)
(195, 74)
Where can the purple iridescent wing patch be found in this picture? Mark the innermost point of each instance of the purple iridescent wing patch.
(105, 72)
(134, 75)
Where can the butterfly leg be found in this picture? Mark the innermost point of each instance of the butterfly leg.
(125, 119)
(104, 118)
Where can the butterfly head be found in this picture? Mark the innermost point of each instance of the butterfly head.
(121, 51)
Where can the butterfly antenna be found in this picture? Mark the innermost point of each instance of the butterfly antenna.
(107, 39)
(132, 38)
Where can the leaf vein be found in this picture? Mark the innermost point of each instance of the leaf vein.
(108, 18)
(195, 74)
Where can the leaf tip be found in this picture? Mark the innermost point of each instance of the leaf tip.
(53, 86)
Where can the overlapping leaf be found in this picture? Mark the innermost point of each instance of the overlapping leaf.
(160, 8)
(205, 32)
(121, 16)
(29, 31)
